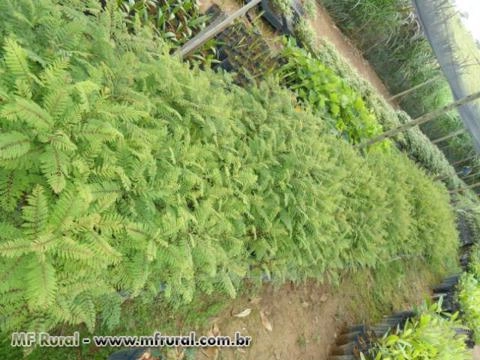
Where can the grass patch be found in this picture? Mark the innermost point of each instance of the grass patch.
(394, 286)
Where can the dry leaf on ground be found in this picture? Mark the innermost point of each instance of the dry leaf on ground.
(211, 353)
(255, 300)
(214, 330)
(265, 322)
(146, 356)
(244, 313)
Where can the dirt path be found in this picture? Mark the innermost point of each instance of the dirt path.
(326, 29)
(302, 321)
(299, 322)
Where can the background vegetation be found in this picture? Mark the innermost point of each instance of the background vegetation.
(413, 142)
(390, 37)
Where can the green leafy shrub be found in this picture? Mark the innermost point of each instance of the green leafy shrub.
(327, 94)
(469, 298)
(175, 20)
(123, 172)
(429, 336)
(413, 141)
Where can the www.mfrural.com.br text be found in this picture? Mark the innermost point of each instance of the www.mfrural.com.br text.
(44, 339)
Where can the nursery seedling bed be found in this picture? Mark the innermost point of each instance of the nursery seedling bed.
(242, 50)
(358, 339)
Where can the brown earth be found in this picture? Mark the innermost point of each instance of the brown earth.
(476, 353)
(327, 30)
(302, 321)
(299, 322)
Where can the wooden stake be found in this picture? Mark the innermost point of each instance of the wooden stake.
(449, 136)
(470, 176)
(420, 120)
(477, 184)
(213, 29)
(441, 178)
(464, 160)
(416, 87)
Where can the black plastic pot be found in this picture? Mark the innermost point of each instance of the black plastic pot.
(469, 333)
(352, 342)
(278, 21)
(447, 285)
(361, 338)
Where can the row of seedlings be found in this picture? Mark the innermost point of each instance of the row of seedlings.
(447, 291)
(241, 49)
(360, 339)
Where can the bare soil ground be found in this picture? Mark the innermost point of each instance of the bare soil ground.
(288, 323)
(476, 353)
(326, 29)
(302, 321)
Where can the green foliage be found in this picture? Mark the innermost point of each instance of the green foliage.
(175, 20)
(390, 37)
(123, 171)
(283, 7)
(310, 7)
(305, 34)
(469, 293)
(413, 141)
(468, 218)
(429, 336)
(419, 148)
(318, 87)
(469, 298)
(474, 264)
(246, 52)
